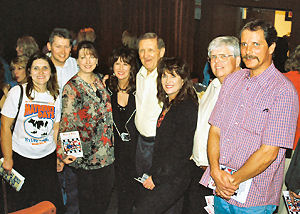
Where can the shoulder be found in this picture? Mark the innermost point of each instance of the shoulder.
(6, 89)
(17, 89)
(71, 60)
(281, 83)
(186, 106)
(236, 76)
(72, 84)
(71, 64)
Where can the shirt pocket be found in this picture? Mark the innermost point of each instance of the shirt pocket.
(256, 119)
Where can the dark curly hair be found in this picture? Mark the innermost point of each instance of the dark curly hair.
(129, 56)
(293, 62)
(175, 65)
(52, 85)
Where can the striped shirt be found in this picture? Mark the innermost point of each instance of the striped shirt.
(251, 112)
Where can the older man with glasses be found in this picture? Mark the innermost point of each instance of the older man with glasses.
(252, 124)
(224, 58)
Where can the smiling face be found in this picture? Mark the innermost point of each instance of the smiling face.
(121, 70)
(256, 53)
(86, 61)
(60, 50)
(40, 72)
(223, 62)
(171, 83)
(149, 53)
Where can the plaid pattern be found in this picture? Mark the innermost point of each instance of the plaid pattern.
(251, 112)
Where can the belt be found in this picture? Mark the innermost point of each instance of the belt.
(148, 139)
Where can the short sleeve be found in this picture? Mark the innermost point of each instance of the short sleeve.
(10, 107)
(215, 118)
(281, 126)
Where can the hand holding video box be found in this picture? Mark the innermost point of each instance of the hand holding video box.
(71, 143)
(14, 178)
(241, 193)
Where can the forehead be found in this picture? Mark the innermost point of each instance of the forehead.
(222, 50)
(61, 40)
(253, 36)
(121, 59)
(148, 43)
(170, 72)
(40, 62)
(18, 64)
(86, 52)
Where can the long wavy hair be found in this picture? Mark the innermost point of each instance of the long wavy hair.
(129, 56)
(175, 65)
(52, 85)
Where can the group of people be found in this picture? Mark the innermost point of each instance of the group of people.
(147, 131)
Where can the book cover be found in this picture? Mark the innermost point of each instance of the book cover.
(15, 179)
(292, 208)
(71, 143)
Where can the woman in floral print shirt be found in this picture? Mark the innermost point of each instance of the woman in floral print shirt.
(86, 108)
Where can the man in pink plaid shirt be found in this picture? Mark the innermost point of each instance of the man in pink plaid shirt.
(252, 124)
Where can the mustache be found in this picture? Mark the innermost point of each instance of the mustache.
(250, 57)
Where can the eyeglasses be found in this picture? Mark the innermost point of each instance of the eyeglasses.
(221, 57)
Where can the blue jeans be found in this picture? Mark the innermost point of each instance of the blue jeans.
(223, 207)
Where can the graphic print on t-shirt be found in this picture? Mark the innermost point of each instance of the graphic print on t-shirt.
(38, 121)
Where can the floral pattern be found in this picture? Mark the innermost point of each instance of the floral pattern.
(91, 116)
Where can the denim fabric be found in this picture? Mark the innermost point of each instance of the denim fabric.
(223, 207)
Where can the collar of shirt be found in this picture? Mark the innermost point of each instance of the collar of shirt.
(143, 72)
(262, 78)
(216, 83)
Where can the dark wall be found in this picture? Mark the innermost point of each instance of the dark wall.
(38, 17)
(173, 20)
(223, 17)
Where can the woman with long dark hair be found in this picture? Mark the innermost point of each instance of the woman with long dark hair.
(121, 84)
(169, 175)
(31, 147)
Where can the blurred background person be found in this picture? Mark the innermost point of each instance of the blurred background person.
(169, 175)
(27, 46)
(84, 34)
(292, 65)
(7, 73)
(31, 148)
(121, 84)
(86, 108)
(4, 87)
(18, 66)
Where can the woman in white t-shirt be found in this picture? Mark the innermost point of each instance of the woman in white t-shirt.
(31, 147)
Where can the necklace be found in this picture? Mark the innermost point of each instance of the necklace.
(122, 89)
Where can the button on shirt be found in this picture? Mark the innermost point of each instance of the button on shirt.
(206, 106)
(251, 112)
(147, 106)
